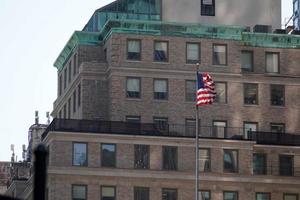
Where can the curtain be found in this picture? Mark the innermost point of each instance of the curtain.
(134, 46)
(160, 86)
(193, 52)
(272, 62)
(79, 192)
(133, 85)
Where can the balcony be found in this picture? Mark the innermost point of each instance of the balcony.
(170, 130)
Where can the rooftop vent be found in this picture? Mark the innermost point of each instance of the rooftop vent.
(280, 31)
(262, 28)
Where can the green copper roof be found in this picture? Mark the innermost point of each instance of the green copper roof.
(160, 28)
(78, 38)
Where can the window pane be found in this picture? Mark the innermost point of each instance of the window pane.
(204, 160)
(169, 158)
(230, 161)
(160, 89)
(221, 92)
(141, 153)
(290, 197)
(286, 165)
(247, 61)
(78, 192)
(277, 128)
(219, 55)
(133, 87)
(230, 196)
(262, 196)
(141, 193)
(219, 129)
(259, 164)
(169, 194)
(108, 193)
(192, 53)
(161, 123)
(277, 95)
(250, 93)
(272, 62)
(108, 157)
(133, 119)
(79, 154)
(190, 127)
(249, 126)
(161, 51)
(204, 195)
(133, 50)
(208, 7)
(190, 91)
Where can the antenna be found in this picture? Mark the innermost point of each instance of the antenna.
(24, 152)
(48, 117)
(12, 148)
(36, 117)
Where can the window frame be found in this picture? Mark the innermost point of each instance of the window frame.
(169, 189)
(187, 94)
(140, 87)
(160, 61)
(268, 193)
(142, 188)
(108, 186)
(226, 54)
(209, 193)
(133, 116)
(79, 185)
(167, 167)
(206, 13)
(199, 53)
(291, 194)
(236, 192)
(280, 165)
(244, 128)
(277, 124)
(167, 89)
(209, 153)
(115, 155)
(270, 52)
(257, 93)
(214, 126)
(166, 119)
(237, 164)
(252, 61)
(147, 165)
(226, 92)
(140, 46)
(265, 164)
(271, 89)
(87, 157)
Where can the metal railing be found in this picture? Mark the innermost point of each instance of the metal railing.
(271, 138)
(146, 129)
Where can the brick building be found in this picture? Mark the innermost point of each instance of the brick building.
(125, 111)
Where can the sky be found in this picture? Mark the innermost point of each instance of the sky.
(32, 34)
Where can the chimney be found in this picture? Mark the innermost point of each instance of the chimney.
(36, 117)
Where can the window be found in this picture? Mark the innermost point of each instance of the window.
(219, 129)
(190, 91)
(79, 192)
(277, 95)
(263, 196)
(69, 108)
(290, 196)
(190, 127)
(247, 61)
(141, 193)
(79, 154)
(192, 53)
(70, 71)
(74, 101)
(160, 51)
(60, 85)
(208, 7)
(169, 194)
(141, 156)
(133, 88)
(108, 193)
(108, 155)
(133, 49)
(204, 160)
(259, 163)
(161, 123)
(65, 78)
(65, 111)
(248, 128)
(74, 65)
(250, 93)
(272, 62)
(277, 128)
(219, 54)
(169, 158)
(204, 195)
(79, 95)
(133, 119)
(230, 160)
(160, 89)
(230, 196)
(286, 165)
(221, 89)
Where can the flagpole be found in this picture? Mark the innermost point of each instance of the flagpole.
(197, 148)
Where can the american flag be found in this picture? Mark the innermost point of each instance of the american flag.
(205, 89)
